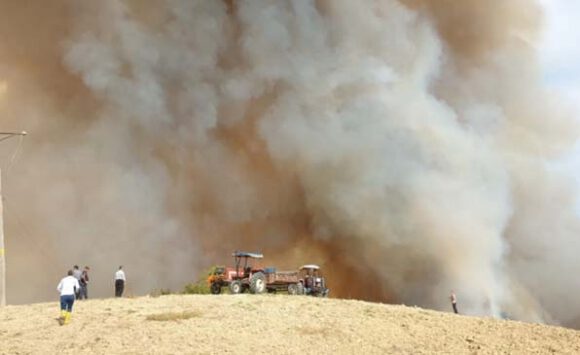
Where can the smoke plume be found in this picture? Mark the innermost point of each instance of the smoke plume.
(404, 145)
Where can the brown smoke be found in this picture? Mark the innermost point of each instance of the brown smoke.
(402, 145)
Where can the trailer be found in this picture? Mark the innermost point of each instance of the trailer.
(246, 275)
(283, 281)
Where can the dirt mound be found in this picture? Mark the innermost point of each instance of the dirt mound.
(266, 324)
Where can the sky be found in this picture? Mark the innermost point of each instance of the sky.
(560, 57)
(560, 48)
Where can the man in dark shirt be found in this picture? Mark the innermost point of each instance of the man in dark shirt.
(84, 282)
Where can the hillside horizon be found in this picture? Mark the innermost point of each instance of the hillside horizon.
(207, 324)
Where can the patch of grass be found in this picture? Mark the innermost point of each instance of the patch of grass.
(245, 306)
(369, 312)
(173, 316)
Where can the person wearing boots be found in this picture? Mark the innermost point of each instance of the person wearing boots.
(67, 287)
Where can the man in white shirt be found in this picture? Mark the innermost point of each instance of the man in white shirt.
(67, 287)
(453, 299)
(119, 282)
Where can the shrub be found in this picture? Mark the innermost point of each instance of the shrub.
(198, 288)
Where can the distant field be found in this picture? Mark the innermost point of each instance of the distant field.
(270, 324)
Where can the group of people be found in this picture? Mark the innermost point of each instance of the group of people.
(75, 286)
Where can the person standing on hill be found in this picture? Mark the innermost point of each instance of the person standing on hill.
(77, 274)
(453, 299)
(67, 287)
(84, 282)
(119, 282)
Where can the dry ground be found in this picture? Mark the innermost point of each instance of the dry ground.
(244, 324)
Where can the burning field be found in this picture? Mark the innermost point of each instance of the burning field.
(403, 145)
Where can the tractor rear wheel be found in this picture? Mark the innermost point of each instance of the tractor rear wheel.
(215, 288)
(236, 287)
(293, 289)
(258, 283)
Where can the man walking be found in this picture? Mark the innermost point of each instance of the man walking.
(453, 300)
(77, 275)
(67, 287)
(84, 283)
(119, 282)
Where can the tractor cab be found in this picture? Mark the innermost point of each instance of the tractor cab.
(245, 264)
(313, 281)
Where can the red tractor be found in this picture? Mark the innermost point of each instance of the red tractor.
(240, 278)
(247, 276)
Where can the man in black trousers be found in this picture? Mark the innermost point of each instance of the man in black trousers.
(453, 300)
(119, 282)
(84, 282)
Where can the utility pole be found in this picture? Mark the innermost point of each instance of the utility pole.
(4, 136)
(2, 252)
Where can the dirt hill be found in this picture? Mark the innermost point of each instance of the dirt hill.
(244, 324)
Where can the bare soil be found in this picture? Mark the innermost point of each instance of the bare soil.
(241, 324)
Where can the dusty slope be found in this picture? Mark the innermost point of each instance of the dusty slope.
(267, 324)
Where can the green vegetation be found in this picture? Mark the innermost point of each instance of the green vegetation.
(201, 287)
(198, 288)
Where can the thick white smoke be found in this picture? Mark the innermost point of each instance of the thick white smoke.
(401, 144)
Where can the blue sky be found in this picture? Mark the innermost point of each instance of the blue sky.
(560, 48)
(560, 57)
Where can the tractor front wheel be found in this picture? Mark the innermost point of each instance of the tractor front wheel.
(215, 288)
(236, 287)
(258, 283)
